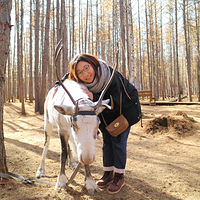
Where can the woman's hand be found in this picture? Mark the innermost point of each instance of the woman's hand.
(90, 95)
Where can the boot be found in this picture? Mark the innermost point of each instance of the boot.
(117, 184)
(106, 179)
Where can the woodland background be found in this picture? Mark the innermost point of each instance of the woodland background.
(158, 42)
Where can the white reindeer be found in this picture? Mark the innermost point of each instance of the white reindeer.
(75, 116)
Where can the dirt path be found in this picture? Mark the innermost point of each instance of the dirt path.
(163, 165)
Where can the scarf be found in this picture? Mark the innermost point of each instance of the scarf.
(97, 86)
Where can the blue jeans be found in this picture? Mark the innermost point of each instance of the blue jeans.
(114, 151)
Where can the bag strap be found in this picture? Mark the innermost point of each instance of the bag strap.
(130, 98)
(103, 119)
(120, 109)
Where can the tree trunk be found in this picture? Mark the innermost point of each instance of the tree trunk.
(45, 58)
(5, 26)
(122, 29)
(63, 33)
(131, 62)
(198, 51)
(9, 79)
(30, 56)
(58, 32)
(140, 50)
(187, 52)
(37, 13)
(21, 61)
(163, 78)
(97, 28)
(73, 27)
(86, 24)
(147, 39)
(177, 65)
(156, 95)
(14, 70)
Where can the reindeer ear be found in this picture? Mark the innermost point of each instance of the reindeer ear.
(64, 110)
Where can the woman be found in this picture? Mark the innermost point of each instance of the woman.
(95, 74)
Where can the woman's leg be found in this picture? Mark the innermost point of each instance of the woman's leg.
(119, 145)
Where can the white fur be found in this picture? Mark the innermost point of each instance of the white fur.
(82, 136)
(91, 186)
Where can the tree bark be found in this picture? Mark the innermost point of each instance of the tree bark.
(86, 28)
(37, 13)
(30, 56)
(198, 50)
(122, 30)
(187, 52)
(147, 39)
(177, 65)
(140, 50)
(45, 59)
(21, 62)
(5, 26)
(97, 28)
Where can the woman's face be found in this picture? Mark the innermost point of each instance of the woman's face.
(85, 72)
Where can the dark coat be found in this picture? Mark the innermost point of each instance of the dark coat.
(130, 103)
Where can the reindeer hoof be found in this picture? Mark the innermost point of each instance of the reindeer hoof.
(61, 182)
(91, 186)
(91, 191)
(97, 189)
(40, 174)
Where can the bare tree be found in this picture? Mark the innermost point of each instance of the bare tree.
(97, 28)
(147, 39)
(45, 59)
(58, 30)
(198, 50)
(140, 50)
(37, 13)
(73, 26)
(5, 27)
(163, 71)
(86, 24)
(177, 66)
(30, 58)
(187, 51)
(156, 52)
(122, 29)
(9, 79)
(64, 37)
(130, 45)
(21, 61)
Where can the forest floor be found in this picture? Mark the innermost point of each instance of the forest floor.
(163, 157)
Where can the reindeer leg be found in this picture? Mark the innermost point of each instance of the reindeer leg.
(90, 184)
(47, 131)
(62, 179)
(71, 162)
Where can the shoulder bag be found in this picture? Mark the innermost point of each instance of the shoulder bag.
(119, 124)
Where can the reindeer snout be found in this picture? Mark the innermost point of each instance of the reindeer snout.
(87, 159)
